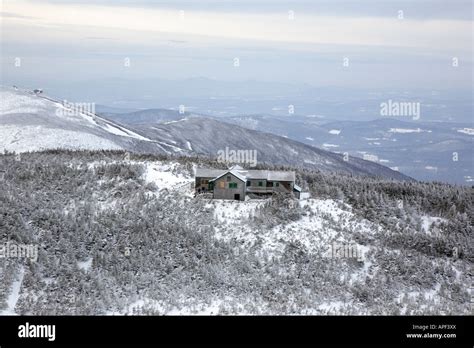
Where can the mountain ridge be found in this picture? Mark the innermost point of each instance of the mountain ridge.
(29, 122)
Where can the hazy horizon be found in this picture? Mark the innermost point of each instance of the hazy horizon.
(143, 54)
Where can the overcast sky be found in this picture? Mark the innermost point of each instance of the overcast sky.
(386, 43)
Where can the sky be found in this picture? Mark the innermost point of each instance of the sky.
(346, 44)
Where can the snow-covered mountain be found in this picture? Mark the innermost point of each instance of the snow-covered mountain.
(208, 136)
(127, 236)
(146, 116)
(31, 122)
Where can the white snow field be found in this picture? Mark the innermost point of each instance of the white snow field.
(407, 130)
(14, 294)
(327, 221)
(162, 175)
(30, 122)
(36, 138)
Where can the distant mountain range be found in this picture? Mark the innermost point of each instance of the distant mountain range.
(430, 151)
(30, 122)
(230, 98)
(208, 136)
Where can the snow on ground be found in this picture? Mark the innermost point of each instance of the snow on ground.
(85, 265)
(188, 307)
(293, 150)
(333, 307)
(188, 144)
(175, 148)
(328, 221)
(427, 221)
(116, 130)
(14, 294)
(426, 295)
(64, 111)
(104, 124)
(330, 145)
(233, 212)
(367, 270)
(407, 130)
(57, 133)
(335, 131)
(468, 178)
(468, 131)
(161, 174)
(34, 138)
(14, 102)
(158, 172)
(305, 195)
(309, 161)
(309, 138)
(170, 122)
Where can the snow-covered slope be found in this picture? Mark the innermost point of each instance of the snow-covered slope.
(209, 136)
(327, 221)
(30, 122)
(14, 293)
(138, 242)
